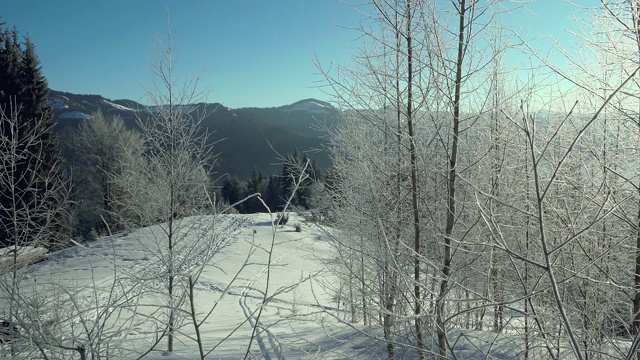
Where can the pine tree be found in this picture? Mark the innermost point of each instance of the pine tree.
(10, 55)
(257, 185)
(315, 173)
(290, 172)
(304, 194)
(24, 91)
(232, 190)
(273, 198)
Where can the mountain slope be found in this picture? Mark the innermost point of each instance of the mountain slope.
(298, 313)
(245, 138)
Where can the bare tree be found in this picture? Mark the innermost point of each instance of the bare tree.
(35, 207)
(417, 70)
(170, 180)
(95, 153)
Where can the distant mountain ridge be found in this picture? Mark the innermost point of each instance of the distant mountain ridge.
(245, 138)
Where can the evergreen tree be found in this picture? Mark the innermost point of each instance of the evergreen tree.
(24, 92)
(315, 173)
(257, 184)
(232, 190)
(273, 198)
(305, 192)
(10, 54)
(290, 172)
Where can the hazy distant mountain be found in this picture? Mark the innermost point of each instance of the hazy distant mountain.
(247, 138)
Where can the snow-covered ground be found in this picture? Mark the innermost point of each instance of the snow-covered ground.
(309, 106)
(57, 103)
(108, 297)
(74, 115)
(297, 320)
(118, 106)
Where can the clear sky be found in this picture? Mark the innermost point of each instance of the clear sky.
(250, 52)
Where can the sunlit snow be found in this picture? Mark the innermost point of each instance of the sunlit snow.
(57, 104)
(309, 106)
(74, 115)
(111, 283)
(298, 319)
(117, 106)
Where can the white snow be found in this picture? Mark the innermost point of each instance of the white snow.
(309, 106)
(57, 103)
(26, 255)
(184, 108)
(221, 107)
(74, 115)
(297, 319)
(90, 104)
(118, 106)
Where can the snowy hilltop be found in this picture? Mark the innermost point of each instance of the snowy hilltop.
(245, 288)
(106, 296)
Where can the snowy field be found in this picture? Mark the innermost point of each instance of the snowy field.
(107, 296)
(297, 321)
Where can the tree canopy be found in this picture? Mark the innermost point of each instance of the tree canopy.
(31, 178)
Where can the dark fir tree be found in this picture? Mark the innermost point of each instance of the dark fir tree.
(10, 54)
(274, 196)
(257, 184)
(232, 191)
(303, 197)
(315, 172)
(290, 173)
(32, 186)
(35, 111)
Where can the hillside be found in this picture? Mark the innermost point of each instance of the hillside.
(298, 315)
(107, 296)
(245, 138)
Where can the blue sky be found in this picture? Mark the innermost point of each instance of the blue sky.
(250, 52)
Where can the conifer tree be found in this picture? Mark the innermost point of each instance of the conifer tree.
(10, 54)
(290, 170)
(24, 91)
(305, 194)
(232, 190)
(273, 197)
(257, 185)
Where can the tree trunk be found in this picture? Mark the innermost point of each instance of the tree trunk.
(451, 189)
(392, 273)
(170, 289)
(414, 188)
(363, 284)
(636, 281)
(388, 320)
(635, 5)
(526, 264)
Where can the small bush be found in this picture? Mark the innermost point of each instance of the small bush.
(281, 219)
(93, 235)
(8, 331)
